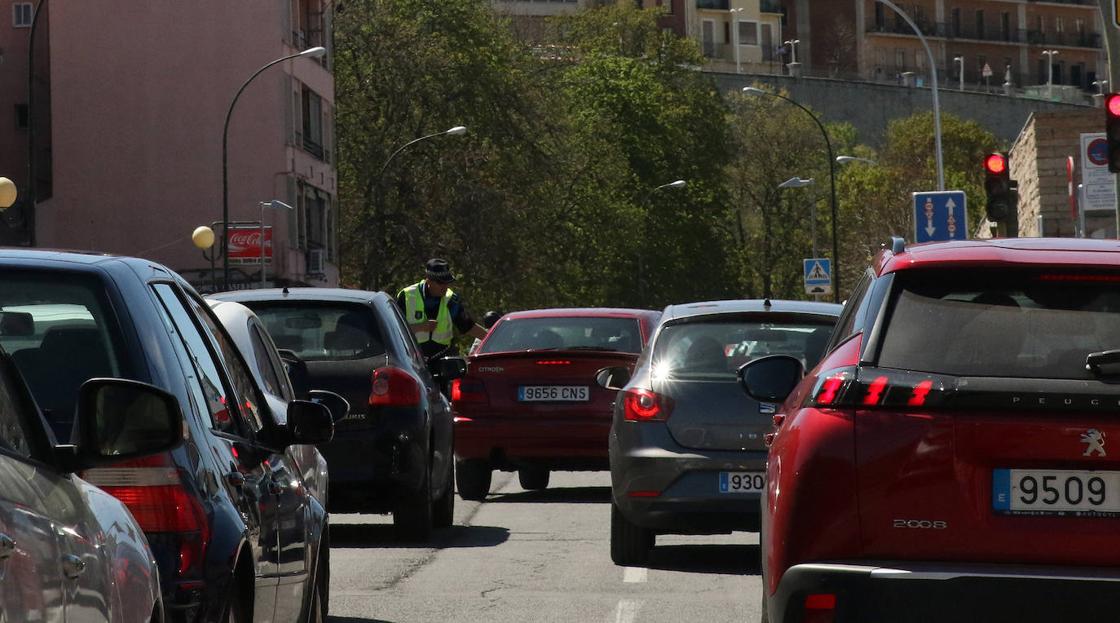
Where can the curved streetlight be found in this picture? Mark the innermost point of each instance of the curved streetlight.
(315, 52)
(675, 185)
(458, 130)
(831, 179)
(851, 159)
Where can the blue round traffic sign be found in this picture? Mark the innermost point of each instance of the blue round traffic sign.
(1098, 152)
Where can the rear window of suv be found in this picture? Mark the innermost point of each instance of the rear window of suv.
(322, 332)
(621, 335)
(1016, 323)
(716, 349)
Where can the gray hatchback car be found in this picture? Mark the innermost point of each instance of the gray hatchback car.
(687, 446)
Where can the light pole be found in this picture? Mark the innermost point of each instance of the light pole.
(798, 182)
(675, 185)
(851, 159)
(831, 179)
(455, 131)
(315, 52)
(960, 59)
(1050, 54)
(933, 88)
(275, 203)
(735, 36)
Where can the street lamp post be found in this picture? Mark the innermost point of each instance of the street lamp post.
(933, 88)
(1050, 54)
(798, 182)
(850, 159)
(275, 203)
(315, 52)
(675, 185)
(735, 36)
(960, 59)
(831, 179)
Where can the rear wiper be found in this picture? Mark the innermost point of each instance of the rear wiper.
(1095, 361)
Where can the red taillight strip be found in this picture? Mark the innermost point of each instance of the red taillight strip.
(557, 362)
(643, 494)
(830, 389)
(132, 476)
(875, 391)
(921, 390)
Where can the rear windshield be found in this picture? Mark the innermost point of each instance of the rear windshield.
(715, 350)
(1005, 323)
(322, 332)
(574, 333)
(60, 333)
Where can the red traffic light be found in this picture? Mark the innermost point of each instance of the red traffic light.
(996, 164)
(1113, 105)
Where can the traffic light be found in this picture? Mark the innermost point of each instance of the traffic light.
(1112, 129)
(1002, 196)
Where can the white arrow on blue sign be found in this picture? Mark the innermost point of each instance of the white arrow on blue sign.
(940, 216)
(818, 275)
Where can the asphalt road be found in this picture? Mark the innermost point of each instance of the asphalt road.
(536, 556)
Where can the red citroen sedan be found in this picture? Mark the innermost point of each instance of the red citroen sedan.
(955, 456)
(530, 401)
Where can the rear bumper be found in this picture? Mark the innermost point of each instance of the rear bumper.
(928, 592)
(375, 466)
(688, 499)
(508, 443)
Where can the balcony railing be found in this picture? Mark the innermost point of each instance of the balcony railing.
(720, 5)
(990, 32)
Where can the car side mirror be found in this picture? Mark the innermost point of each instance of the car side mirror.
(297, 371)
(613, 378)
(337, 405)
(309, 423)
(771, 379)
(449, 368)
(120, 420)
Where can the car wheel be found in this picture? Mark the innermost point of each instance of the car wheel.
(413, 516)
(236, 609)
(472, 478)
(445, 505)
(533, 478)
(630, 543)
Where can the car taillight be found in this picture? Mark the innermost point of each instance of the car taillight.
(153, 491)
(872, 388)
(468, 390)
(642, 405)
(393, 387)
(820, 608)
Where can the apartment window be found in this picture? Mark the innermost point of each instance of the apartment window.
(748, 33)
(880, 16)
(1059, 25)
(21, 116)
(1005, 26)
(980, 24)
(900, 59)
(307, 27)
(312, 109)
(317, 220)
(22, 13)
(767, 41)
(727, 32)
(1079, 24)
(1077, 75)
(956, 21)
(1040, 23)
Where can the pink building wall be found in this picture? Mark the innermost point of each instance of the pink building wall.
(139, 96)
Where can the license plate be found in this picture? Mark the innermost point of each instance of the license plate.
(1075, 493)
(741, 482)
(553, 393)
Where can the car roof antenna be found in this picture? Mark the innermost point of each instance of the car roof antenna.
(286, 291)
(766, 303)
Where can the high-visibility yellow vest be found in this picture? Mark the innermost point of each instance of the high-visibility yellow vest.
(415, 314)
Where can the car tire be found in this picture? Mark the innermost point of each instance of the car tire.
(472, 478)
(444, 515)
(533, 478)
(236, 609)
(412, 518)
(630, 543)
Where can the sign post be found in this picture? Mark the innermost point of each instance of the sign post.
(818, 275)
(940, 216)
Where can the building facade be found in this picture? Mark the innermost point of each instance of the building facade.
(987, 43)
(734, 35)
(136, 108)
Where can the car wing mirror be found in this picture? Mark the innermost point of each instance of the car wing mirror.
(449, 368)
(613, 378)
(771, 379)
(337, 405)
(118, 420)
(309, 423)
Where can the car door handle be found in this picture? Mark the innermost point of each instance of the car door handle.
(7, 547)
(72, 566)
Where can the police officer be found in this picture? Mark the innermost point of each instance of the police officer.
(434, 312)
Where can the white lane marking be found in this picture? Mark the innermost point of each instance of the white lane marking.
(627, 610)
(635, 575)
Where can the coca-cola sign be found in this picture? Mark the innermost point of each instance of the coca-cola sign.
(245, 245)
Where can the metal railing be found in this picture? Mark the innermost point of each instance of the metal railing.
(990, 32)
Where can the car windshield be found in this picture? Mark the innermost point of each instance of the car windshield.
(60, 334)
(1005, 323)
(620, 335)
(715, 350)
(322, 332)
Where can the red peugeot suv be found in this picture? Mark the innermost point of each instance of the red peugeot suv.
(952, 457)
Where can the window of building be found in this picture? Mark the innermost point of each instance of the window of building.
(1079, 24)
(727, 32)
(880, 16)
(307, 23)
(748, 33)
(956, 21)
(312, 112)
(900, 59)
(1040, 23)
(766, 34)
(1059, 25)
(1077, 75)
(22, 14)
(21, 116)
(1005, 26)
(980, 24)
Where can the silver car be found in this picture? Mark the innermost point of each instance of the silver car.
(68, 550)
(687, 446)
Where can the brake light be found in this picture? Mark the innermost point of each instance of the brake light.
(877, 388)
(468, 390)
(820, 608)
(393, 387)
(1092, 278)
(554, 362)
(642, 405)
(153, 491)
(830, 388)
(875, 391)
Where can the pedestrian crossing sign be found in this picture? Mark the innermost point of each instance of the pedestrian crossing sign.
(818, 276)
